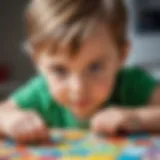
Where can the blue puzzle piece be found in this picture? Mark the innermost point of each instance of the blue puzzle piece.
(107, 149)
(129, 157)
(9, 143)
(139, 136)
(16, 156)
(141, 140)
(152, 153)
(156, 142)
(46, 152)
(133, 153)
(79, 152)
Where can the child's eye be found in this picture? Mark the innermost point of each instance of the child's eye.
(60, 71)
(95, 68)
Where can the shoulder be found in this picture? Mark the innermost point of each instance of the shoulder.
(129, 75)
(134, 86)
(31, 89)
(128, 72)
(37, 80)
(137, 76)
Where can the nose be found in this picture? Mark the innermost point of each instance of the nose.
(77, 85)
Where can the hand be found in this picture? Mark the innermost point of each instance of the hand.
(23, 126)
(111, 120)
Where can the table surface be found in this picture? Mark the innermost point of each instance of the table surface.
(83, 145)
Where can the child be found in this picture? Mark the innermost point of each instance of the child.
(79, 48)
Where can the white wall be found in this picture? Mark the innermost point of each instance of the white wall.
(11, 38)
(145, 47)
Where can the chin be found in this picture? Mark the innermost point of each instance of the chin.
(82, 115)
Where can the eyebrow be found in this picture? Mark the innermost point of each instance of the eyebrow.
(52, 66)
(101, 59)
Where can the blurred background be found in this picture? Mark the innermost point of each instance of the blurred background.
(16, 66)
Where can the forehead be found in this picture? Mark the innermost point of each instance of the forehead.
(99, 44)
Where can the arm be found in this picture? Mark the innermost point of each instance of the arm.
(147, 118)
(137, 108)
(23, 126)
(6, 106)
(144, 91)
(18, 116)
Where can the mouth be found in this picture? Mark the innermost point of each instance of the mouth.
(82, 108)
(81, 103)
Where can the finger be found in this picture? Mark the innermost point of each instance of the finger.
(30, 133)
(97, 125)
(37, 121)
(22, 139)
(43, 134)
(40, 131)
(113, 127)
(103, 124)
(20, 134)
(24, 132)
(110, 131)
(28, 130)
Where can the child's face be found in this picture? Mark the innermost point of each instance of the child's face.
(82, 83)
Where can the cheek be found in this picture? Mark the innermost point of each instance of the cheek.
(103, 88)
(58, 90)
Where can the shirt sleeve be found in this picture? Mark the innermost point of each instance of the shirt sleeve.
(137, 87)
(27, 97)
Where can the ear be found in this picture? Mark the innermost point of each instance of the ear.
(125, 52)
(35, 58)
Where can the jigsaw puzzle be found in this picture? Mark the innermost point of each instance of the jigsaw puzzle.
(82, 145)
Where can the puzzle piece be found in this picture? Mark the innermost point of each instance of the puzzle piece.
(140, 136)
(101, 157)
(72, 158)
(82, 145)
(74, 135)
(48, 152)
(83, 152)
(132, 153)
(156, 141)
(152, 154)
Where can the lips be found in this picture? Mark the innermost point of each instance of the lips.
(81, 103)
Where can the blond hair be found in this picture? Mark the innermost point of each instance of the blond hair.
(54, 23)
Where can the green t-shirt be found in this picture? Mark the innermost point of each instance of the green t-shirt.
(134, 88)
